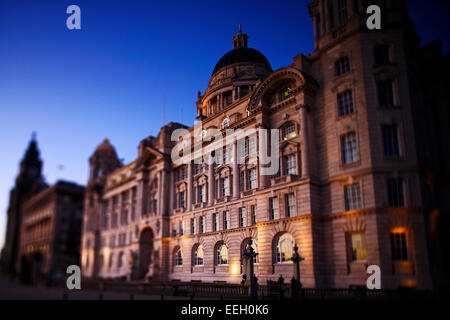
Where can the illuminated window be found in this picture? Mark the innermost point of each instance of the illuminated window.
(285, 93)
(345, 103)
(284, 248)
(288, 131)
(225, 123)
(178, 257)
(341, 66)
(222, 255)
(198, 256)
(348, 148)
(399, 246)
(181, 228)
(352, 197)
(357, 244)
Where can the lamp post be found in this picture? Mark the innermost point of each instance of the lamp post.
(296, 283)
(248, 256)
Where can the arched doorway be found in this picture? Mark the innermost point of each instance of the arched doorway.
(145, 251)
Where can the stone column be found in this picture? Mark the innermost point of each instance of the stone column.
(189, 188)
(304, 139)
(163, 204)
(171, 192)
(211, 184)
(235, 172)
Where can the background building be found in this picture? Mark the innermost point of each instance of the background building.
(50, 232)
(350, 191)
(28, 183)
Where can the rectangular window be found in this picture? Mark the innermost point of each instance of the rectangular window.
(348, 148)
(242, 217)
(252, 145)
(252, 183)
(291, 164)
(241, 180)
(201, 225)
(288, 131)
(253, 208)
(290, 205)
(395, 192)
(226, 220)
(385, 93)
(341, 66)
(357, 244)
(201, 193)
(226, 156)
(215, 221)
(381, 53)
(345, 103)
(181, 199)
(273, 208)
(399, 246)
(181, 228)
(225, 187)
(193, 226)
(352, 197)
(390, 140)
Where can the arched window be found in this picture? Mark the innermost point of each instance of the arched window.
(178, 257)
(222, 254)
(284, 248)
(288, 131)
(225, 123)
(198, 256)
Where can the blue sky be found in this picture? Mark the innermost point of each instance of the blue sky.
(110, 79)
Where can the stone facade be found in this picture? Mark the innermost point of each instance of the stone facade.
(348, 191)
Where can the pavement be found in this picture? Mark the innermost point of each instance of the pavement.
(12, 290)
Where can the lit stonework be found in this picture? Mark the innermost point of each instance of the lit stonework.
(348, 192)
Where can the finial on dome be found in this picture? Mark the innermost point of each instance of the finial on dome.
(240, 39)
(33, 136)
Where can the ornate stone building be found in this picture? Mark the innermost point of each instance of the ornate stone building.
(348, 191)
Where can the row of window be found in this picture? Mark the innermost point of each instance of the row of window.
(381, 55)
(390, 140)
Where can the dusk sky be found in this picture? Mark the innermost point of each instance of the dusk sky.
(110, 79)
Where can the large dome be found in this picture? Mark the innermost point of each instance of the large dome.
(242, 54)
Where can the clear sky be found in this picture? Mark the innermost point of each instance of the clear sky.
(111, 78)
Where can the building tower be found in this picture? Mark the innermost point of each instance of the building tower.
(103, 162)
(28, 183)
